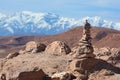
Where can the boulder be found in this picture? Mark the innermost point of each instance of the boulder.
(58, 48)
(62, 76)
(32, 75)
(24, 75)
(115, 56)
(105, 51)
(104, 75)
(33, 46)
(12, 55)
(108, 54)
(82, 65)
(115, 50)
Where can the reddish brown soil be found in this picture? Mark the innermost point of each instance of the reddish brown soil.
(102, 37)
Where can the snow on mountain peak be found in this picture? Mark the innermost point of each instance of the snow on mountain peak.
(29, 23)
(2, 15)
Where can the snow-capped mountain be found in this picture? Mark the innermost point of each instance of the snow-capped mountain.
(29, 23)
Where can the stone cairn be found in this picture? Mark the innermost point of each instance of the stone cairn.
(83, 57)
(85, 48)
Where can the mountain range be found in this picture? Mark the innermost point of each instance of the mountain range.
(30, 23)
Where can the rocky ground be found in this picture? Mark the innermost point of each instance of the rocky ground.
(101, 37)
(52, 64)
(57, 61)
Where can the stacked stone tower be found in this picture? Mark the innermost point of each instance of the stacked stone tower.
(85, 48)
(83, 57)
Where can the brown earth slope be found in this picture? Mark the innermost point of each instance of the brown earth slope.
(102, 37)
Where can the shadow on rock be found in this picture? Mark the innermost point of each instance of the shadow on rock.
(105, 65)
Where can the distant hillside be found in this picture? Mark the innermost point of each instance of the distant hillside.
(102, 37)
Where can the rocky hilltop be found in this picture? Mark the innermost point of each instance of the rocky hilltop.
(101, 37)
(57, 61)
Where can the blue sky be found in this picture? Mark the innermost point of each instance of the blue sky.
(107, 9)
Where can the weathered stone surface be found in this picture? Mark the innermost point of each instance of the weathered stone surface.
(12, 55)
(104, 75)
(115, 56)
(2, 77)
(82, 65)
(85, 42)
(83, 57)
(23, 75)
(105, 51)
(32, 46)
(58, 48)
(84, 45)
(32, 75)
(108, 54)
(62, 76)
(82, 77)
(50, 64)
(22, 51)
(115, 50)
(84, 50)
(80, 56)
